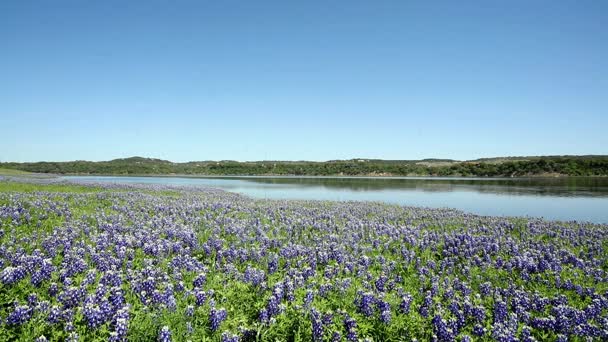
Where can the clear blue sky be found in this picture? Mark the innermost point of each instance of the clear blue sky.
(314, 80)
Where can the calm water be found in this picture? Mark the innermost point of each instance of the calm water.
(581, 199)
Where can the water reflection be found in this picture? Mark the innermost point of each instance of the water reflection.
(569, 187)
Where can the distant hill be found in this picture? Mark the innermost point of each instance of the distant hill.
(528, 158)
(141, 160)
(587, 165)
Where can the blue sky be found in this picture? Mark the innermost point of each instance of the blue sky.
(313, 80)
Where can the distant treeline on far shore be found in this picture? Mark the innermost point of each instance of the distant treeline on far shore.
(487, 167)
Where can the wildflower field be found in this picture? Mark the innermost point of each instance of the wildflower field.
(144, 263)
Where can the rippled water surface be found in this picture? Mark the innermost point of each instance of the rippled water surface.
(581, 199)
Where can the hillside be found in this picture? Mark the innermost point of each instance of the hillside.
(487, 167)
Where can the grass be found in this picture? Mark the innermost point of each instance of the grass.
(31, 187)
(11, 172)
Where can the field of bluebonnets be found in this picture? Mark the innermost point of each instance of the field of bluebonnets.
(143, 263)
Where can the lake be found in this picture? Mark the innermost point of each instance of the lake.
(581, 199)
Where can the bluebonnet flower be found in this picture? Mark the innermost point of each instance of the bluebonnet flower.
(120, 322)
(189, 310)
(485, 288)
(73, 337)
(12, 275)
(169, 300)
(500, 311)
(350, 326)
(43, 273)
(32, 299)
(426, 305)
(543, 323)
(406, 302)
(324, 289)
(228, 337)
(317, 325)
(308, 298)
(43, 306)
(385, 316)
(344, 285)
(20, 315)
(254, 276)
(116, 297)
(180, 286)
(148, 285)
(164, 335)
(114, 337)
(72, 296)
(53, 289)
(157, 297)
(273, 306)
(479, 330)
(506, 330)
(94, 315)
(478, 313)
(273, 264)
(55, 314)
(442, 329)
(90, 277)
(201, 297)
(381, 282)
(385, 311)
(216, 317)
(264, 317)
(365, 302)
(289, 291)
(526, 335)
(328, 318)
(111, 279)
(199, 280)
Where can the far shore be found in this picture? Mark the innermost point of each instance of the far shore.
(313, 176)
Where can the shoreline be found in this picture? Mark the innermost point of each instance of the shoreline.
(540, 176)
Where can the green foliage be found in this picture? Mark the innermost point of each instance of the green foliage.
(506, 167)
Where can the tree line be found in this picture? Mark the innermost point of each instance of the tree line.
(534, 166)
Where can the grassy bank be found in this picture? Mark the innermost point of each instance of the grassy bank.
(12, 172)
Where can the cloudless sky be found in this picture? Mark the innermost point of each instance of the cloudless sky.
(293, 80)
